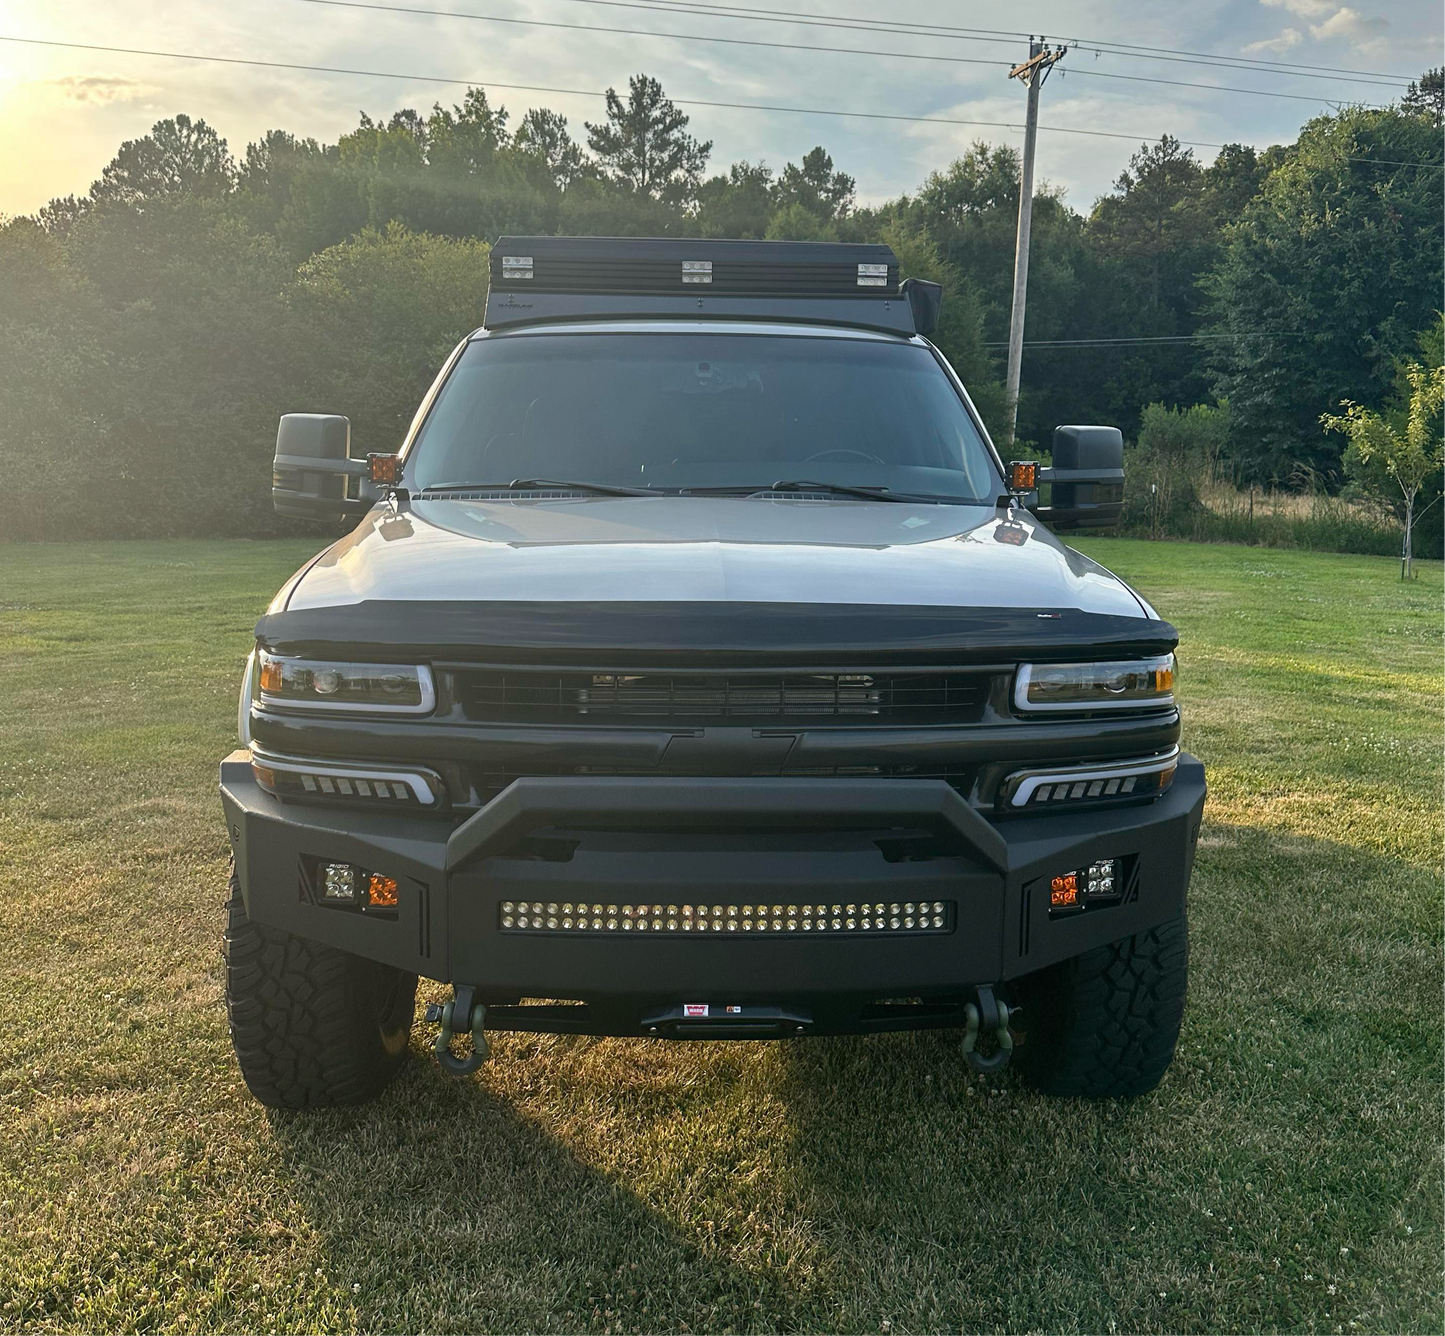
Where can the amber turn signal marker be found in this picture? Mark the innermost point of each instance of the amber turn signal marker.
(271, 680)
(1023, 475)
(385, 469)
(381, 892)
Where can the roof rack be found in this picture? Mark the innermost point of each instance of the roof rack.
(539, 279)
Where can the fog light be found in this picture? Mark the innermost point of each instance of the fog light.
(1064, 891)
(1102, 884)
(381, 891)
(338, 882)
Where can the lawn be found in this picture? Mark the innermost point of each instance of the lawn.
(1286, 1176)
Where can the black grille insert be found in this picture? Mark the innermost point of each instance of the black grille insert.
(582, 697)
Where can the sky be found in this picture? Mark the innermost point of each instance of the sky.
(65, 111)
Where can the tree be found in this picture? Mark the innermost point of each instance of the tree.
(985, 180)
(1322, 285)
(179, 156)
(1154, 223)
(1408, 457)
(816, 187)
(543, 135)
(644, 144)
(1426, 97)
(60, 216)
(466, 139)
(1230, 182)
(739, 204)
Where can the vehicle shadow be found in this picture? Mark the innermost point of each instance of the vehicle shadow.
(838, 1184)
(446, 1208)
(952, 1199)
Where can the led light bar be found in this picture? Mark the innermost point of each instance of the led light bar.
(293, 777)
(1124, 779)
(931, 916)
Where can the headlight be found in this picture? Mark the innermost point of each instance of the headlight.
(1128, 683)
(325, 684)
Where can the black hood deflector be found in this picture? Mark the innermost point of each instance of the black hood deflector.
(703, 633)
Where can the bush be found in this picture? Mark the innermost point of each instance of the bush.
(1176, 450)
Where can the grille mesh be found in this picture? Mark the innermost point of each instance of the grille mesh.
(602, 698)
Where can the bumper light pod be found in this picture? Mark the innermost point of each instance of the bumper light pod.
(1076, 890)
(346, 886)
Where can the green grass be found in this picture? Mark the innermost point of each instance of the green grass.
(1286, 1176)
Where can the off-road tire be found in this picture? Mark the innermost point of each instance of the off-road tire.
(311, 1025)
(1104, 1024)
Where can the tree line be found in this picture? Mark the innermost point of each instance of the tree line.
(152, 329)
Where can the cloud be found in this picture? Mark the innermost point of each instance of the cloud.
(1288, 38)
(1351, 24)
(98, 89)
(1326, 20)
(1303, 9)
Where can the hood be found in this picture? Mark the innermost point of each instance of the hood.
(733, 550)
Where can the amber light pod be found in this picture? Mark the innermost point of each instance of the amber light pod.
(385, 469)
(1023, 475)
(381, 891)
(1064, 891)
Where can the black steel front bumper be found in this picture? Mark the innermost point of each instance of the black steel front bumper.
(707, 840)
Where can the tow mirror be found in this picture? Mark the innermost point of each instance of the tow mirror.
(1087, 478)
(313, 462)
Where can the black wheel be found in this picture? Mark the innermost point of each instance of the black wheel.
(311, 1025)
(1104, 1024)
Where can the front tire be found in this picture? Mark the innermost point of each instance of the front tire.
(311, 1025)
(1104, 1025)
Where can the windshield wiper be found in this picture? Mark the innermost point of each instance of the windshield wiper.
(532, 484)
(805, 485)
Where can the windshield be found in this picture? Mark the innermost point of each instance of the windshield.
(698, 411)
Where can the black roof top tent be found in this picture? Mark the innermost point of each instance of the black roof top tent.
(543, 279)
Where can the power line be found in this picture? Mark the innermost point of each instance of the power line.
(1162, 338)
(419, 11)
(1135, 137)
(639, 32)
(584, 92)
(715, 9)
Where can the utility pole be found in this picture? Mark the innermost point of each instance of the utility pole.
(1033, 72)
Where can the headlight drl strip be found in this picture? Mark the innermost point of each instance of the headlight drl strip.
(1123, 779)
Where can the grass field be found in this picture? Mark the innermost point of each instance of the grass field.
(1286, 1176)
